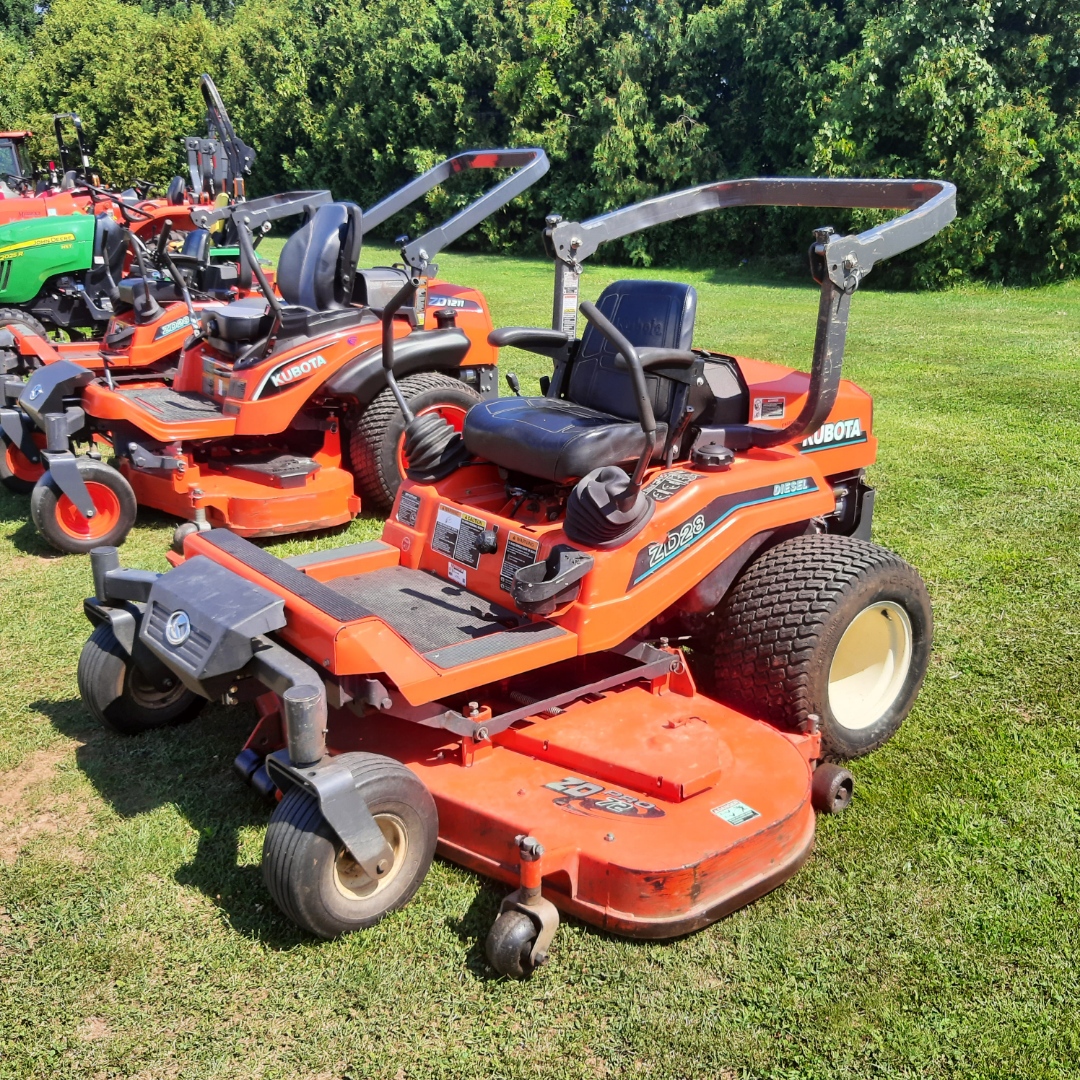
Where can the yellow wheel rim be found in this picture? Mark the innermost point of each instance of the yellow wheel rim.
(870, 665)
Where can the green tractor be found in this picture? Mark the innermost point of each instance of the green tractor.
(59, 272)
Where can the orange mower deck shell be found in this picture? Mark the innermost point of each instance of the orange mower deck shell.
(646, 856)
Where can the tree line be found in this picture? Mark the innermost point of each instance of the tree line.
(630, 98)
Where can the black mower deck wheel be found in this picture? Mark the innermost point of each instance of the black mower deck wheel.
(121, 697)
(312, 877)
(58, 519)
(829, 625)
(509, 944)
(376, 442)
(831, 788)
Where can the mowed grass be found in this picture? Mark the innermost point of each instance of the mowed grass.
(933, 933)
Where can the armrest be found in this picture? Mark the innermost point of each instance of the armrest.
(661, 358)
(550, 343)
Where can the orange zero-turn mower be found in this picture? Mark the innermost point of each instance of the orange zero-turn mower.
(154, 309)
(250, 433)
(502, 677)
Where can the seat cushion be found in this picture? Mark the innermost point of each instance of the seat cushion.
(242, 320)
(552, 439)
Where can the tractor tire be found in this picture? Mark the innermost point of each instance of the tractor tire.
(119, 696)
(11, 361)
(825, 625)
(376, 442)
(59, 521)
(17, 472)
(314, 880)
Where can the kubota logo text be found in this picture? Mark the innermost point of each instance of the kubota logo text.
(842, 431)
(290, 373)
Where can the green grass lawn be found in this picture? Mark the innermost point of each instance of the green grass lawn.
(933, 933)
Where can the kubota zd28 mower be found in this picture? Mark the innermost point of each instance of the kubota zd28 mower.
(249, 433)
(501, 677)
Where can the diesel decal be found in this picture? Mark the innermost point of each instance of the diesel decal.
(14, 251)
(792, 487)
(172, 327)
(582, 797)
(651, 557)
(290, 373)
(830, 436)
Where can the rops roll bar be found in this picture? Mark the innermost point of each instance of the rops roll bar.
(531, 164)
(68, 162)
(221, 161)
(837, 263)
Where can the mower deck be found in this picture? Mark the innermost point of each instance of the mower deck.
(628, 795)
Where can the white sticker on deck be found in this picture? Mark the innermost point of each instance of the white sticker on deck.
(735, 812)
(457, 574)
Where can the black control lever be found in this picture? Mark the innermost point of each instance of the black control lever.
(513, 383)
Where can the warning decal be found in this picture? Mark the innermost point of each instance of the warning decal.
(408, 508)
(458, 536)
(519, 551)
(769, 408)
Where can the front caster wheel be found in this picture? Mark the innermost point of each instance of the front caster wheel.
(831, 788)
(19, 473)
(60, 521)
(510, 943)
(313, 878)
(121, 697)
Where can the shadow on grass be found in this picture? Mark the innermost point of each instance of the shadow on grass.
(190, 768)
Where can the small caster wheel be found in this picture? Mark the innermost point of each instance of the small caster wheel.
(121, 697)
(831, 789)
(63, 525)
(310, 873)
(510, 943)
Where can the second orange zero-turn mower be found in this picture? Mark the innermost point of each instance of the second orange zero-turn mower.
(277, 404)
(154, 311)
(508, 675)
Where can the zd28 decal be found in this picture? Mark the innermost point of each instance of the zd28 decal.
(653, 556)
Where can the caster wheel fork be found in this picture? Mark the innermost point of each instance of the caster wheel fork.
(521, 936)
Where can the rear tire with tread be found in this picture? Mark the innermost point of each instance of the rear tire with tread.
(310, 875)
(377, 435)
(779, 627)
(120, 697)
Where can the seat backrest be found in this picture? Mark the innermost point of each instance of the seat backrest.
(652, 314)
(110, 245)
(197, 245)
(318, 263)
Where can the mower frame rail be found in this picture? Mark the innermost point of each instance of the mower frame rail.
(838, 263)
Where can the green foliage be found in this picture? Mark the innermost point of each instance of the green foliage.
(628, 99)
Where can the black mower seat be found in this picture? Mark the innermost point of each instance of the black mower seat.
(597, 424)
(315, 276)
(552, 439)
